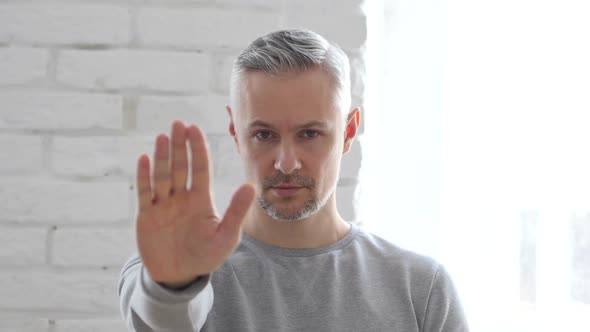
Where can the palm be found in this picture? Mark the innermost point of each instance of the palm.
(179, 233)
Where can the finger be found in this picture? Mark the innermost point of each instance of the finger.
(179, 156)
(236, 212)
(162, 180)
(200, 178)
(144, 189)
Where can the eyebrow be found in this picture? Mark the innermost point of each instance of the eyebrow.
(310, 124)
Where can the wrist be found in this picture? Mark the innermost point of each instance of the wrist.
(179, 285)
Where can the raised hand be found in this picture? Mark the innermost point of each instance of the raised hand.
(179, 233)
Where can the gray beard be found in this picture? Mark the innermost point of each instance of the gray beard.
(310, 207)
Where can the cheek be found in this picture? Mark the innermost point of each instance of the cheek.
(256, 162)
(326, 167)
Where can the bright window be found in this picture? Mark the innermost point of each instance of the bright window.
(477, 151)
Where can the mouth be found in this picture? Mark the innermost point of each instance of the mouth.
(286, 186)
(285, 190)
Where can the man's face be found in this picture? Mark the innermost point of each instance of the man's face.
(290, 135)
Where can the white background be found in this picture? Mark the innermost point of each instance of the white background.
(483, 123)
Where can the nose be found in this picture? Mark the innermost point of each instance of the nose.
(287, 160)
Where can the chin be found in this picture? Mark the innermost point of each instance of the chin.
(295, 210)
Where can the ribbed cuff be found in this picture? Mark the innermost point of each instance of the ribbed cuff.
(161, 293)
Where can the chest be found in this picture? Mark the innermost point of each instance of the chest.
(329, 293)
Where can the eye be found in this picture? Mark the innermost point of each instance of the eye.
(310, 133)
(263, 135)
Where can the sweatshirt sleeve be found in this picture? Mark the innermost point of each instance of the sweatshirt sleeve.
(444, 312)
(148, 306)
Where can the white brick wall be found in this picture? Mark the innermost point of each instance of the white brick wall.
(134, 69)
(203, 27)
(20, 65)
(22, 246)
(22, 323)
(85, 86)
(95, 247)
(90, 325)
(64, 24)
(29, 162)
(39, 200)
(60, 290)
(98, 156)
(157, 113)
(59, 110)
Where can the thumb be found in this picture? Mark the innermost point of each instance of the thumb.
(236, 212)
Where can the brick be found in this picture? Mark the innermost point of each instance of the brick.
(99, 156)
(20, 65)
(203, 27)
(13, 145)
(208, 112)
(252, 3)
(84, 292)
(65, 24)
(93, 247)
(42, 110)
(223, 67)
(114, 324)
(134, 69)
(44, 201)
(22, 246)
(23, 323)
(324, 6)
(348, 30)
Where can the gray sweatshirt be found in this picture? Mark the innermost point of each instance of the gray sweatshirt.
(360, 283)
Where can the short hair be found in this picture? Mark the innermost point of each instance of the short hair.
(293, 51)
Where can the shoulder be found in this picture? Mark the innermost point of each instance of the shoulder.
(398, 260)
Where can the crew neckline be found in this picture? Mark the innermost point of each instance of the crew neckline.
(302, 252)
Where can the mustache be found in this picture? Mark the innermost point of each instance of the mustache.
(295, 179)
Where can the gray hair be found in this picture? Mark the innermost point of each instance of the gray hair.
(296, 50)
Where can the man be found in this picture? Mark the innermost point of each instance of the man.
(288, 262)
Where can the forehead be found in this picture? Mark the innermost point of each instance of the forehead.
(288, 100)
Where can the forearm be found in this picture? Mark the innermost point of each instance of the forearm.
(146, 303)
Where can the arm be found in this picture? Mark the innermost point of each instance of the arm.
(444, 312)
(180, 237)
(147, 305)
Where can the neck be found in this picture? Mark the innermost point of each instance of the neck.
(321, 229)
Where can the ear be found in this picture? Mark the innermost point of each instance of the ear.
(353, 123)
(232, 128)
